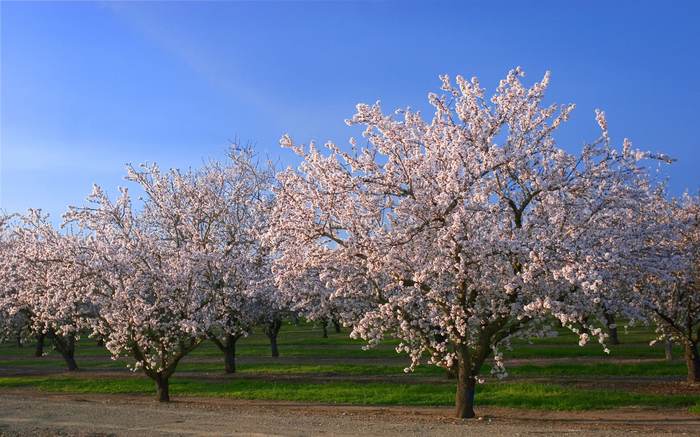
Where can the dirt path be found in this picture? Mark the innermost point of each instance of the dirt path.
(28, 412)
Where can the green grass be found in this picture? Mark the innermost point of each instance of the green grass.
(342, 354)
(528, 370)
(515, 395)
(305, 341)
(627, 350)
(599, 369)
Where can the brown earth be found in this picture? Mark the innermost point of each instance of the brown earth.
(30, 412)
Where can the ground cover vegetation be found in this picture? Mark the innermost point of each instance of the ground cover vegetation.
(320, 374)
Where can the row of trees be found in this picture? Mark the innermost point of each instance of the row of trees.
(454, 235)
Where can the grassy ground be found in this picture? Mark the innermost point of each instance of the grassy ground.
(675, 368)
(337, 370)
(516, 395)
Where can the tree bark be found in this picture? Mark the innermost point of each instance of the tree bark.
(228, 347)
(66, 347)
(668, 349)
(166, 366)
(272, 329)
(274, 351)
(466, 388)
(39, 351)
(692, 360)
(69, 358)
(324, 325)
(162, 388)
(612, 328)
(336, 325)
(230, 353)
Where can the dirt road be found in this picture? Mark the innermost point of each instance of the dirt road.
(28, 412)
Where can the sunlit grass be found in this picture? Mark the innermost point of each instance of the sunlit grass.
(515, 395)
(527, 370)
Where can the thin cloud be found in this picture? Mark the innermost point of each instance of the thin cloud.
(184, 48)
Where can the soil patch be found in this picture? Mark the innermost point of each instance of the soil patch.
(29, 412)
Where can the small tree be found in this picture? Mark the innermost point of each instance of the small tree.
(270, 309)
(461, 232)
(308, 297)
(235, 322)
(239, 192)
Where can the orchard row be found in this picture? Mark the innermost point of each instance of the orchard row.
(455, 235)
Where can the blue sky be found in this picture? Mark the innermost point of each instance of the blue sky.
(87, 87)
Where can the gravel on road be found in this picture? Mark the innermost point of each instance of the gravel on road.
(30, 412)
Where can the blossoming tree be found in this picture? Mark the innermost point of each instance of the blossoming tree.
(13, 322)
(174, 273)
(239, 191)
(460, 232)
(308, 296)
(665, 272)
(41, 288)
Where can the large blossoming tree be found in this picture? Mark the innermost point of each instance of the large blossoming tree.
(460, 232)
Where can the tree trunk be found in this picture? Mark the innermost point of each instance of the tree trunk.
(66, 347)
(230, 353)
(162, 388)
(612, 328)
(668, 349)
(466, 387)
(272, 329)
(274, 351)
(39, 351)
(228, 347)
(692, 360)
(69, 358)
(324, 325)
(336, 325)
